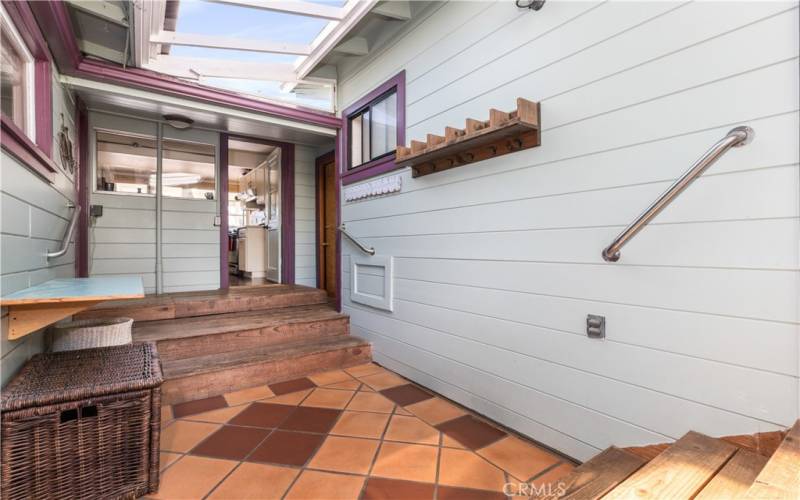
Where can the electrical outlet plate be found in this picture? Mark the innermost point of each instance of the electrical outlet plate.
(595, 326)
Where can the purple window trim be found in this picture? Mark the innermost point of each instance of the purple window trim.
(380, 165)
(19, 145)
(25, 22)
(224, 271)
(82, 177)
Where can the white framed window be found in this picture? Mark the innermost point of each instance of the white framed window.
(17, 78)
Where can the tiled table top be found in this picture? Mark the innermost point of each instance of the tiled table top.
(364, 432)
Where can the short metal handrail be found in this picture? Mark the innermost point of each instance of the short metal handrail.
(737, 137)
(364, 248)
(68, 234)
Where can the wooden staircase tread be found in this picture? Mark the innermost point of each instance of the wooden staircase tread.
(780, 477)
(596, 477)
(735, 478)
(200, 303)
(216, 362)
(681, 471)
(194, 326)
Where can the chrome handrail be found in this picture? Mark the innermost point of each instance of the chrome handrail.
(364, 248)
(737, 137)
(68, 234)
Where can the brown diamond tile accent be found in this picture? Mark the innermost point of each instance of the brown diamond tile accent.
(255, 482)
(308, 419)
(361, 424)
(295, 385)
(370, 401)
(405, 395)
(414, 462)
(328, 398)
(379, 488)
(411, 430)
(435, 411)
(471, 432)
(452, 493)
(344, 454)
(181, 436)
(291, 399)
(287, 448)
(520, 459)
(262, 415)
(198, 406)
(314, 485)
(231, 443)
(465, 469)
(192, 477)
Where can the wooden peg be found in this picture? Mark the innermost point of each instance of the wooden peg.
(473, 125)
(497, 117)
(528, 111)
(434, 139)
(417, 146)
(452, 133)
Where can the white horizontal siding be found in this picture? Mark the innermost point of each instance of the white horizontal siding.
(33, 217)
(498, 263)
(305, 264)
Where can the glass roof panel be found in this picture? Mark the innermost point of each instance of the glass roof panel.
(235, 21)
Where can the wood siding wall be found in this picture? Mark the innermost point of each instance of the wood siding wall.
(498, 263)
(34, 216)
(305, 259)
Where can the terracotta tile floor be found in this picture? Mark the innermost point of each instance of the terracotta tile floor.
(363, 432)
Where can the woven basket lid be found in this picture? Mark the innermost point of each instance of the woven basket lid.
(73, 375)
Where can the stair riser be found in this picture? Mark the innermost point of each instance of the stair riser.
(245, 303)
(185, 308)
(210, 384)
(250, 339)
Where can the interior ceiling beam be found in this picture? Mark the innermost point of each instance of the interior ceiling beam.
(297, 7)
(195, 68)
(356, 46)
(224, 42)
(106, 11)
(394, 9)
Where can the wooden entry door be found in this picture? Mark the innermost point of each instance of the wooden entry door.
(326, 224)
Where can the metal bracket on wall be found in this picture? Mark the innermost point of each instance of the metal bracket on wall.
(595, 326)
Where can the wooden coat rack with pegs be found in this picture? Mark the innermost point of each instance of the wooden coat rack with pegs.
(501, 134)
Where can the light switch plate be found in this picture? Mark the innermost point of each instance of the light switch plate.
(595, 326)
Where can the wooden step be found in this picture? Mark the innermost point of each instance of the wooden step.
(187, 304)
(681, 471)
(735, 478)
(205, 376)
(780, 477)
(203, 335)
(596, 477)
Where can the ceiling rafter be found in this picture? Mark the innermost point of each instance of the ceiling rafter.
(224, 42)
(298, 7)
(195, 68)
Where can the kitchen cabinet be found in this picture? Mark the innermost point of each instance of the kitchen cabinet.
(252, 251)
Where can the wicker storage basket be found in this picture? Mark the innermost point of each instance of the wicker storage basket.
(90, 333)
(83, 424)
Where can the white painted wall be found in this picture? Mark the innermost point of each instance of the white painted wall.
(305, 257)
(498, 263)
(33, 218)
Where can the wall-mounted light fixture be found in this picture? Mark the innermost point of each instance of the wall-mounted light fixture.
(530, 4)
(178, 121)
